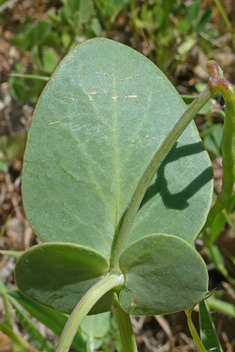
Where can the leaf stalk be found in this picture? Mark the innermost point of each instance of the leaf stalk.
(83, 307)
(126, 330)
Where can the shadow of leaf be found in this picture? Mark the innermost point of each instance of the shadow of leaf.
(180, 199)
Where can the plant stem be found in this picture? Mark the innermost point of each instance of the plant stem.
(228, 179)
(217, 258)
(126, 330)
(228, 141)
(224, 14)
(226, 19)
(28, 76)
(13, 254)
(228, 219)
(3, 291)
(16, 338)
(162, 152)
(7, 312)
(193, 332)
(83, 307)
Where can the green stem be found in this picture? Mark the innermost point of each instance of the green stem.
(83, 307)
(126, 330)
(3, 228)
(151, 170)
(28, 76)
(16, 338)
(7, 312)
(228, 219)
(228, 141)
(3, 291)
(228, 171)
(13, 254)
(224, 14)
(216, 257)
(226, 19)
(194, 332)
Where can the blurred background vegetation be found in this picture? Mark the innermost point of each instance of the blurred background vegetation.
(179, 37)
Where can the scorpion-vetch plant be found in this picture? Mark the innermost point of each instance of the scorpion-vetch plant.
(117, 185)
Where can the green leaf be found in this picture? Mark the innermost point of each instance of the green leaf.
(36, 337)
(96, 325)
(216, 257)
(3, 288)
(95, 28)
(221, 306)
(207, 329)
(164, 190)
(204, 20)
(167, 6)
(200, 86)
(110, 9)
(86, 9)
(59, 274)
(12, 146)
(25, 90)
(186, 46)
(163, 274)
(159, 16)
(3, 291)
(36, 34)
(213, 141)
(2, 165)
(72, 6)
(221, 220)
(99, 121)
(16, 338)
(49, 60)
(193, 11)
(95, 328)
(52, 319)
(184, 27)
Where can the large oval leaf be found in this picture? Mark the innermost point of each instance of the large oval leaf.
(59, 274)
(97, 125)
(163, 274)
(170, 204)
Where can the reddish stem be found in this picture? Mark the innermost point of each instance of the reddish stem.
(216, 83)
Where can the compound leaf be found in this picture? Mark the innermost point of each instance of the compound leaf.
(98, 123)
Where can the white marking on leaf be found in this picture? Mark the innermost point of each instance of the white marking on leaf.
(90, 95)
(133, 96)
(115, 98)
(54, 123)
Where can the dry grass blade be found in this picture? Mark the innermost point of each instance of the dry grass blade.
(166, 327)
